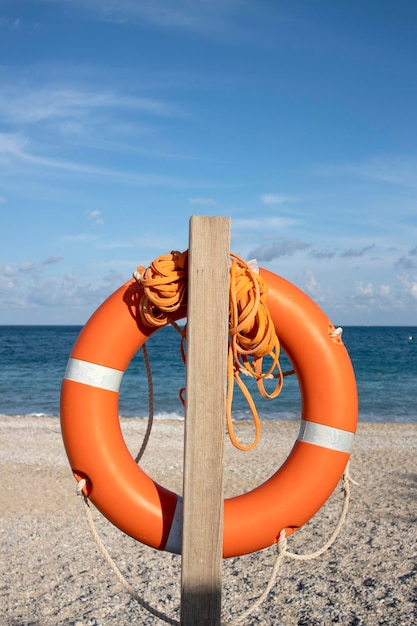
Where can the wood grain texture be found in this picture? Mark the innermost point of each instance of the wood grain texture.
(207, 334)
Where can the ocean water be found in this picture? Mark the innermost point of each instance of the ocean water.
(33, 361)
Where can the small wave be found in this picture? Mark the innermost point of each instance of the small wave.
(158, 416)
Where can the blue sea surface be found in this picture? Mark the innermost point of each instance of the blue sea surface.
(33, 361)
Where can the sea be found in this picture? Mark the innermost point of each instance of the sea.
(33, 361)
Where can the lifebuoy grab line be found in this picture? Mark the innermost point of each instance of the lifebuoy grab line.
(152, 514)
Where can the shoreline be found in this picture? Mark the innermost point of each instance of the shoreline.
(52, 573)
(170, 417)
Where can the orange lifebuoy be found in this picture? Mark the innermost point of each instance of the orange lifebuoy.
(140, 507)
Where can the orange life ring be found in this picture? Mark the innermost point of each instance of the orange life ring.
(150, 513)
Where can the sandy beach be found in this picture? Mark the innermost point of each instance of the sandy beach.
(52, 573)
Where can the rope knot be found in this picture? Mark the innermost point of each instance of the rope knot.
(80, 486)
(282, 543)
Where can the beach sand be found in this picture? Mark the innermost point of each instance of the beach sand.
(52, 573)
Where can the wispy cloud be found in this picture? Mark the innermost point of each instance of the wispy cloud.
(14, 146)
(100, 118)
(114, 245)
(270, 251)
(11, 276)
(349, 253)
(322, 254)
(35, 266)
(353, 252)
(19, 105)
(203, 201)
(395, 170)
(406, 263)
(53, 258)
(312, 286)
(70, 291)
(183, 14)
(7, 276)
(95, 217)
(10, 24)
(272, 199)
(264, 223)
(80, 238)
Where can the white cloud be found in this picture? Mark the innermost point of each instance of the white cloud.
(14, 146)
(312, 285)
(381, 302)
(369, 291)
(3, 200)
(95, 217)
(99, 119)
(410, 286)
(82, 238)
(25, 106)
(363, 289)
(29, 294)
(7, 277)
(263, 223)
(271, 199)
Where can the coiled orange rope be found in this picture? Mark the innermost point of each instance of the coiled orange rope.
(252, 337)
(251, 330)
(165, 288)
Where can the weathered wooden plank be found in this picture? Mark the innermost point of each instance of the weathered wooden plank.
(207, 332)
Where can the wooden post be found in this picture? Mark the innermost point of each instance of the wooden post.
(207, 333)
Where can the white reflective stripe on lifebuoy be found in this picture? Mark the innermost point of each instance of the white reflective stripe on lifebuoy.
(93, 375)
(326, 436)
(174, 541)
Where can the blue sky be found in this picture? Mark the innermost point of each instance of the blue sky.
(119, 119)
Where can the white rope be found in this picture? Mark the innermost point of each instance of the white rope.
(100, 545)
(347, 480)
(112, 564)
(282, 540)
(282, 551)
(150, 404)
